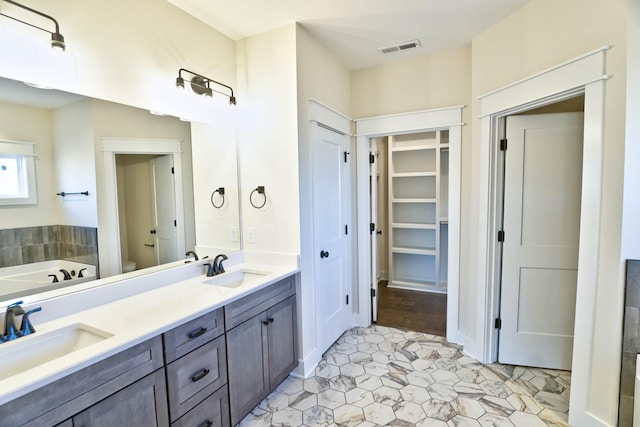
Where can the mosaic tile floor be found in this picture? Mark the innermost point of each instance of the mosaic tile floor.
(381, 376)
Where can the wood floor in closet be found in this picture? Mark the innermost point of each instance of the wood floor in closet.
(412, 310)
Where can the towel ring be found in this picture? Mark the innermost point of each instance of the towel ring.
(260, 190)
(220, 191)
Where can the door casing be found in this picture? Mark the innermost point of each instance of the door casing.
(582, 75)
(109, 243)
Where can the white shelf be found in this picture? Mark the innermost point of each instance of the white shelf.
(412, 174)
(413, 225)
(416, 200)
(418, 187)
(413, 251)
(415, 148)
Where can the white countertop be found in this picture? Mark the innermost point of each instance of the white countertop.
(132, 320)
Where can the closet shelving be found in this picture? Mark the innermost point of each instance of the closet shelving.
(418, 198)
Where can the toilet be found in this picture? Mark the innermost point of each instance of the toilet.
(128, 266)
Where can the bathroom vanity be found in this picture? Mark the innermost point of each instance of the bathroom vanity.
(202, 351)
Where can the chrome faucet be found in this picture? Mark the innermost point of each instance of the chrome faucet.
(216, 266)
(10, 331)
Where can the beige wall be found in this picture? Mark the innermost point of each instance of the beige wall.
(433, 81)
(631, 222)
(28, 124)
(542, 34)
(267, 139)
(74, 166)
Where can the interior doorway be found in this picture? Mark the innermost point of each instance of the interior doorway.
(408, 193)
(541, 191)
(146, 210)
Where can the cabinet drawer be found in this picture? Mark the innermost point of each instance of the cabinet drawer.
(73, 393)
(247, 307)
(191, 335)
(213, 411)
(195, 376)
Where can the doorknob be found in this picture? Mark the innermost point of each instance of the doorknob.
(324, 254)
(152, 231)
(379, 232)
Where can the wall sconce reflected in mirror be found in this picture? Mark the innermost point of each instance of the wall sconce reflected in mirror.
(202, 85)
(57, 39)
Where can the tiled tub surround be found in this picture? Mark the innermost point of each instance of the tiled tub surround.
(49, 242)
(630, 343)
(380, 376)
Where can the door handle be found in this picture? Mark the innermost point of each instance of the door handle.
(324, 254)
(152, 231)
(379, 232)
(150, 245)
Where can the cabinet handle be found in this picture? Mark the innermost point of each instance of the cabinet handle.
(200, 375)
(265, 322)
(196, 334)
(206, 423)
(270, 319)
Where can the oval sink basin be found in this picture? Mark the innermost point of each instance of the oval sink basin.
(33, 350)
(235, 279)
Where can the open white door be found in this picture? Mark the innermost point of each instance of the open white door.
(373, 212)
(543, 182)
(330, 187)
(164, 210)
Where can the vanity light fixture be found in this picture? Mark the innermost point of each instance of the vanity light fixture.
(202, 85)
(57, 39)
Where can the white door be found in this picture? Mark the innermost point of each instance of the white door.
(330, 187)
(543, 181)
(373, 231)
(164, 210)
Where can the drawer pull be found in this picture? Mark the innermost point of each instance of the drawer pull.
(207, 423)
(196, 334)
(200, 375)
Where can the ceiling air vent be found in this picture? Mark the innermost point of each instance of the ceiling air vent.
(400, 46)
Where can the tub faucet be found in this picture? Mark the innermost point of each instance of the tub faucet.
(10, 331)
(67, 276)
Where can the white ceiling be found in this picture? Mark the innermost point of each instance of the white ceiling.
(354, 29)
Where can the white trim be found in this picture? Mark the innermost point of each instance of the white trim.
(110, 242)
(581, 74)
(439, 118)
(418, 121)
(327, 116)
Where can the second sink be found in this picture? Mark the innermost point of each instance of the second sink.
(33, 350)
(235, 279)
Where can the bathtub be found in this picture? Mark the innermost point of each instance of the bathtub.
(33, 278)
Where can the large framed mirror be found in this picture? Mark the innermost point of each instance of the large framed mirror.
(118, 191)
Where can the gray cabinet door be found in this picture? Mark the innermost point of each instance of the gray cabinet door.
(282, 351)
(248, 370)
(143, 403)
